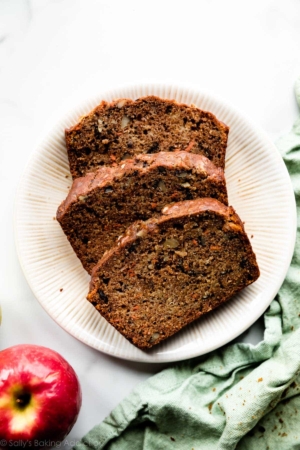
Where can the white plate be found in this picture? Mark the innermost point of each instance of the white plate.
(259, 188)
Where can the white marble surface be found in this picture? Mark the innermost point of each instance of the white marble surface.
(55, 53)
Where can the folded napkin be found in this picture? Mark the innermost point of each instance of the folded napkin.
(240, 397)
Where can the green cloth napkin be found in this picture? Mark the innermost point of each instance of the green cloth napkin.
(240, 397)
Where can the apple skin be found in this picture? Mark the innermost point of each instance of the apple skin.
(40, 395)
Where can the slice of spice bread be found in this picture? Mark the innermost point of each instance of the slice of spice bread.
(115, 131)
(166, 272)
(101, 205)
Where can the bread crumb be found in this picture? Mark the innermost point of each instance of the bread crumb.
(61, 289)
(259, 380)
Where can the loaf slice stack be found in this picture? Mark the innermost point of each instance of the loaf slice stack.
(166, 272)
(148, 216)
(115, 131)
(101, 205)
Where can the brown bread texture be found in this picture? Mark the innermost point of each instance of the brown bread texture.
(164, 273)
(101, 205)
(115, 131)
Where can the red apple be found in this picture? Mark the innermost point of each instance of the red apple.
(40, 396)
